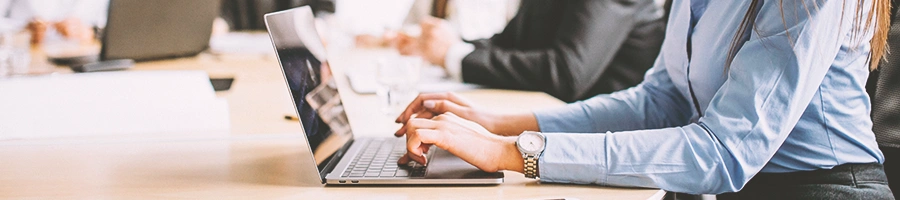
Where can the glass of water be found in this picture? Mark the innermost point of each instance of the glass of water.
(15, 55)
(398, 78)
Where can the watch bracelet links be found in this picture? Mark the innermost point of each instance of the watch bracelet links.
(531, 166)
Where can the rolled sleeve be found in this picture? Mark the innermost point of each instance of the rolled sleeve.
(454, 58)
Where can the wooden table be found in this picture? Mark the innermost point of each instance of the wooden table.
(263, 157)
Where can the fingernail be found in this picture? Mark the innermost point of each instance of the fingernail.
(429, 104)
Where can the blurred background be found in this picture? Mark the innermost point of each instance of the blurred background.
(47, 46)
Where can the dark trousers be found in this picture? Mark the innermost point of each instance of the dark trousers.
(892, 168)
(848, 181)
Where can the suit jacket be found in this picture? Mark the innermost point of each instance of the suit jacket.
(572, 49)
(884, 88)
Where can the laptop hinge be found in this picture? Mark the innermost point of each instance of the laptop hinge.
(326, 167)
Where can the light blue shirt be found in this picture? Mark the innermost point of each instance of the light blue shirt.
(791, 101)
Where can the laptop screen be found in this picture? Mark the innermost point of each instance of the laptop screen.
(301, 55)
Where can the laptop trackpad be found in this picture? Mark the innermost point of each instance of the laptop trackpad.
(444, 165)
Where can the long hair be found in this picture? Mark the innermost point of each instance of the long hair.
(879, 15)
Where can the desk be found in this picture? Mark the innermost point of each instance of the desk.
(262, 158)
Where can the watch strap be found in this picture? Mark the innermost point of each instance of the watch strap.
(531, 162)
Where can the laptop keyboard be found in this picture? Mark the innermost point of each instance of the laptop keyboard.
(379, 159)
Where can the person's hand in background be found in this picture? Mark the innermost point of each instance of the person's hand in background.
(38, 29)
(436, 39)
(387, 39)
(73, 28)
(465, 139)
(406, 44)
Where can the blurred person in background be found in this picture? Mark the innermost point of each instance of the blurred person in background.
(471, 19)
(77, 20)
(883, 87)
(572, 50)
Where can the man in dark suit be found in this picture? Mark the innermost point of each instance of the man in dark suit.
(572, 49)
(884, 89)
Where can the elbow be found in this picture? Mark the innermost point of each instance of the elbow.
(723, 177)
(720, 183)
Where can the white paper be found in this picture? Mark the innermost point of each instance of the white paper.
(110, 103)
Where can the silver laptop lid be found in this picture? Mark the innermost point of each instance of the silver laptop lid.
(301, 55)
(148, 30)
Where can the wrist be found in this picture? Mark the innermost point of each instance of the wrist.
(511, 158)
(490, 122)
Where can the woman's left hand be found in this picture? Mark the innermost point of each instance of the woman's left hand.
(463, 138)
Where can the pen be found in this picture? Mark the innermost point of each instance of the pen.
(291, 118)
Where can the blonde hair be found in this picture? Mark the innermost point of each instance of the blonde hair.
(879, 14)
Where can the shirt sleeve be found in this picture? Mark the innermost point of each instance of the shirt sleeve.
(770, 83)
(655, 103)
(453, 60)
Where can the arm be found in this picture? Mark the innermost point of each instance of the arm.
(769, 85)
(570, 66)
(655, 103)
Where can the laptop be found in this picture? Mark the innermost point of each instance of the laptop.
(340, 157)
(149, 30)
(142, 30)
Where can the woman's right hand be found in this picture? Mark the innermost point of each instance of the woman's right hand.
(430, 105)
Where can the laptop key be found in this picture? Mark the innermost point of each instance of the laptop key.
(372, 174)
(402, 173)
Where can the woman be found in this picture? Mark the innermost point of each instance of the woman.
(747, 99)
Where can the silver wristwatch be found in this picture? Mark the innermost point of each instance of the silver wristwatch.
(531, 145)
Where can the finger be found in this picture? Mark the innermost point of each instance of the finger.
(419, 142)
(419, 123)
(412, 134)
(416, 105)
(401, 131)
(458, 99)
(412, 148)
(403, 159)
(443, 106)
(425, 148)
(423, 115)
(430, 137)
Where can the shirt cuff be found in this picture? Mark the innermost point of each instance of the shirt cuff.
(454, 57)
(574, 158)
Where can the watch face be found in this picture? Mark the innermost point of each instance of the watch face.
(531, 142)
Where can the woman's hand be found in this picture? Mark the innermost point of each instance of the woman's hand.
(429, 105)
(426, 106)
(462, 138)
